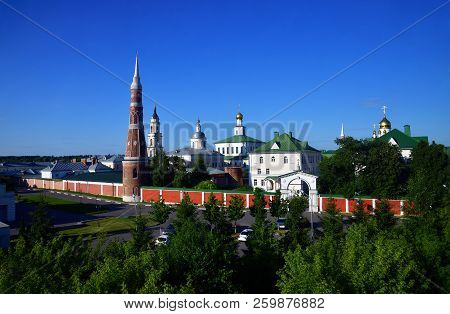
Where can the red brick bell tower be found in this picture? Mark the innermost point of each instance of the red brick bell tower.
(134, 164)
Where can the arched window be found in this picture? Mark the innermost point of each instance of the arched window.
(273, 158)
(285, 159)
(261, 160)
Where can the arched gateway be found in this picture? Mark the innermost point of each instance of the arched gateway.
(293, 183)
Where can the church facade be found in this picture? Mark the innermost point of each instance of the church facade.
(282, 155)
(198, 149)
(237, 147)
(403, 140)
(154, 135)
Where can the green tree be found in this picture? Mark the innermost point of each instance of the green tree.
(161, 211)
(359, 213)
(236, 210)
(206, 185)
(383, 215)
(332, 220)
(41, 224)
(180, 179)
(197, 260)
(383, 172)
(338, 174)
(278, 206)
(296, 223)
(213, 212)
(304, 272)
(429, 180)
(199, 172)
(185, 210)
(139, 233)
(161, 170)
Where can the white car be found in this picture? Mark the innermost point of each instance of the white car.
(243, 236)
(162, 239)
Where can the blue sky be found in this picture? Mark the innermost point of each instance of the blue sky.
(202, 58)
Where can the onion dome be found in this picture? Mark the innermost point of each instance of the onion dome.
(385, 123)
(239, 116)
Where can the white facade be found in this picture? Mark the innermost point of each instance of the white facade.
(271, 161)
(154, 136)
(7, 205)
(198, 139)
(237, 147)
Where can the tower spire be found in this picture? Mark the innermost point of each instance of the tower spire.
(155, 115)
(342, 132)
(136, 79)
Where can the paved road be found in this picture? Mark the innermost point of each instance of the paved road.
(115, 209)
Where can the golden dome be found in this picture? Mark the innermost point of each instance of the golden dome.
(239, 116)
(385, 124)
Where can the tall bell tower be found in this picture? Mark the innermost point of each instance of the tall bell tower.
(135, 160)
(154, 136)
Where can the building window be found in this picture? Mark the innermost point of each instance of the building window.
(262, 182)
(267, 171)
(259, 171)
(228, 150)
(134, 173)
(285, 160)
(261, 160)
(255, 182)
(232, 150)
(273, 158)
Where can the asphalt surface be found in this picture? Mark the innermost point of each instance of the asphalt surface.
(114, 208)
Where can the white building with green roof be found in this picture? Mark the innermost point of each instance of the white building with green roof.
(237, 147)
(279, 157)
(403, 140)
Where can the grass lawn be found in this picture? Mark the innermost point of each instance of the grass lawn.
(105, 225)
(60, 204)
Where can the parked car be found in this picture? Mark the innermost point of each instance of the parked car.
(281, 223)
(243, 236)
(162, 239)
(170, 229)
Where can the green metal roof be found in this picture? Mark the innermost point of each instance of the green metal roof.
(107, 177)
(403, 141)
(286, 143)
(239, 139)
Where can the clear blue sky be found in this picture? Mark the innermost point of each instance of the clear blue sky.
(203, 58)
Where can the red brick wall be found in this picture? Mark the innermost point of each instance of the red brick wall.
(218, 195)
(95, 189)
(59, 185)
(150, 195)
(171, 196)
(119, 191)
(196, 197)
(267, 199)
(367, 203)
(395, 206)
(82, 187)
(108, 190)
(229, 196)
